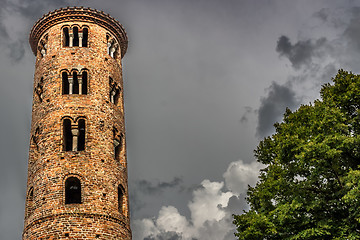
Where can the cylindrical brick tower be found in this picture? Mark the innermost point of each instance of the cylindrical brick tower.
(77, 169)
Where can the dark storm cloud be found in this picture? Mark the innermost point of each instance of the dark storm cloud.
(165, 236)
(273, 106)
(323, 14)
(150, 188)
(28, 11)
(300, 53)
(352, 31)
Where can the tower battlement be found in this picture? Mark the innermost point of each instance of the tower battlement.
(77, 185)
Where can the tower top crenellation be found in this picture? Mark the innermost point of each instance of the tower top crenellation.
(81, 14)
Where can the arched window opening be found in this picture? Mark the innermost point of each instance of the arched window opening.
(117, 144)
(114, 92)
(112, 46)
(67, 135)
(85, 37)
(81, 138)
(39, 89)
(36, 138)
(75, 85)
(72, 190)
(65, 83)
(76, 36)
(121, 194)
(84, 80)
(66, 36)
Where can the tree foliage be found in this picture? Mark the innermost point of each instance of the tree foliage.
(310, 187)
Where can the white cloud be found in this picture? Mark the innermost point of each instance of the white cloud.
(239, 175)
(211, 218)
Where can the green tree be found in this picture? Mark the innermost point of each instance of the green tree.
(310, 187)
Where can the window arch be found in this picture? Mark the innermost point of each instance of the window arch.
(74, 135)
(67, 135)
(39, 89)
(74, 82)
(74, 86)
(74, 36)
(75, 32)
(121, 195)
(118, 144)
(65, 83)
(84, 37)
(72, 190)
(112, 46)
(81, 137)
(66, 39)
(115, 91)
(84, 82)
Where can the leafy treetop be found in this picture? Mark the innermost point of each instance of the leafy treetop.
(310, 187)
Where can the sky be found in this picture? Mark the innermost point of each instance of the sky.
(204, 82)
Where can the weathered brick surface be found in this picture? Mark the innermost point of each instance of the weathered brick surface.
(98, 216)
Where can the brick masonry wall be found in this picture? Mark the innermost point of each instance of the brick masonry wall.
(98, 216)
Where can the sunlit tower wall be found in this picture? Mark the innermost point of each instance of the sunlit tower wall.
(77, 169)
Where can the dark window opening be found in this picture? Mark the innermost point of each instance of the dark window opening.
(117, 96)
(66, 36)
(85, 37)
(65, 83)
(39, 89)
(84, 82)
(76, 83)
(117, 144)
(81, 138)
(31, 194)
(76, 37)
(68, 138)
(72, 190)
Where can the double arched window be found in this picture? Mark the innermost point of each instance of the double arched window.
(73, 135)
(72, 190)
(74, 82)
(112, 46)
(115, 91)
(75, 37)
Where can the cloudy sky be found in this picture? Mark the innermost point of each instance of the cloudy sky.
(204, 82)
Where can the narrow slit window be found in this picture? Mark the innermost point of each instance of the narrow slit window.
(67, 138)
(121, 198)
(81, 138)
(76, 37)
(85, 37)
(65, 83)
(72, 190)
(66, 36)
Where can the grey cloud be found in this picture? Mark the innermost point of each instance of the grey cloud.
(165, 236)
(352, 31)
(244, 117)
(273, 106)
(29, 11)
(150, 188)
(300, 53)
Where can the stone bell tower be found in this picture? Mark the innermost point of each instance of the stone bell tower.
(77, 169)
